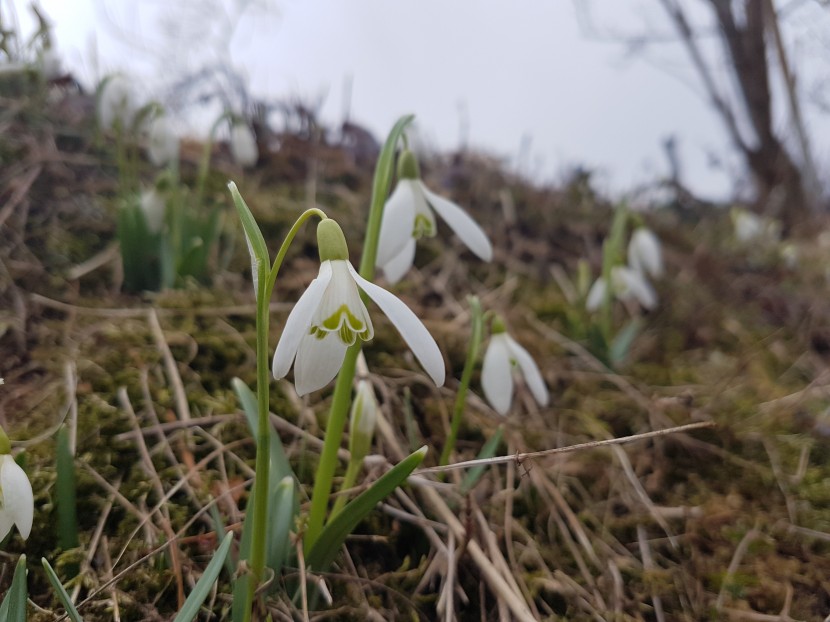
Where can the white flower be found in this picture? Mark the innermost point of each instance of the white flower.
(243, 145)
(503, 354)
(117, 103)
(644, 254)
(409, 215)
(626, 284)
(162, 143)
(152, 205)
(330, 316)
(17, 503)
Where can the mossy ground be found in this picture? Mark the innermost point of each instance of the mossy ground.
(729, 522)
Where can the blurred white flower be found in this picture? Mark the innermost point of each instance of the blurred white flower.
(330, 316)
(17, 504)
(49, 63)
(751, 227)
(644, 252)
(626, 284)
(153, 207)
(503, 355)
(243, 145)
(162, 141)
(408, 216)
(117, 103)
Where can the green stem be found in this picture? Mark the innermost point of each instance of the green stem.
(259, 537)
(343, 388)
(349, 479)
(466, 375)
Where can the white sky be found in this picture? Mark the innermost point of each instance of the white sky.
(519, 69)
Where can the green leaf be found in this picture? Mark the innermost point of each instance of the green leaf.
(282, 508)
(623, 340)
(247, 400)
(66, 601)
(488, 451)
(13, 607)
(334, 534)
(260, 260)
(194, 602)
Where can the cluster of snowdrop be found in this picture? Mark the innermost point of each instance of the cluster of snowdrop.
(631, 282)
(330, 316)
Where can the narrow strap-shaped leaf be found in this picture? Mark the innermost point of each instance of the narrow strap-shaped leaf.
(282, 508)
(66, 601)
(488, 451)
(334, 533)
(251, 228)
(194, 602)
(13, 608)
(280, 467)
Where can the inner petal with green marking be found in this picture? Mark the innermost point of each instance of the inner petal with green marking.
(423, 226)
(347, 325)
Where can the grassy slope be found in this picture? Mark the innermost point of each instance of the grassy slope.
(720, 523)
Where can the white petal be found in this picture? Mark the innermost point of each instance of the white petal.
(596, 295)
(496, 376)
(318, 361)
(18, 500)
(532, 376)
(299, 321)
(460, 222)
(398, 221)
(630, 283)
(644, 252)
(6, 523)
(395, 269)
(414, 333)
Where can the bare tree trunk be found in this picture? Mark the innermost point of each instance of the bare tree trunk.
(779, 181)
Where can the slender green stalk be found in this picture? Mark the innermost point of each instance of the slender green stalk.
(466, 375)
(259, 537)
(343, 388)
(349, 479)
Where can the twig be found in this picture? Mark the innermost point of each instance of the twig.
(521, 457)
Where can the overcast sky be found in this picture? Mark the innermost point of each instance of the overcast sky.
(520, 72)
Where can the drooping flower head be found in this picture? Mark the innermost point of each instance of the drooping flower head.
(410, 215)
(153, 207)
(162, 141)
(243, 145)
(644, 253)
(626, 284)
(17, 503)
(503, 356)
(117, 103)
(330, 316)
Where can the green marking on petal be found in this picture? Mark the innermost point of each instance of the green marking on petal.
(423, 226)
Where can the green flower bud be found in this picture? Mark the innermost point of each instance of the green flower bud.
(363, 418)
(330, 241)
(408, 166)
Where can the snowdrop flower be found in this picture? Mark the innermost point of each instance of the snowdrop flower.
(409, 215)
(626, 284)
(163, 143)
(330, 316)
(17, 503)
(502, 356)
(243, 145)
(153, 207)
(644, 253)
(116, 103)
